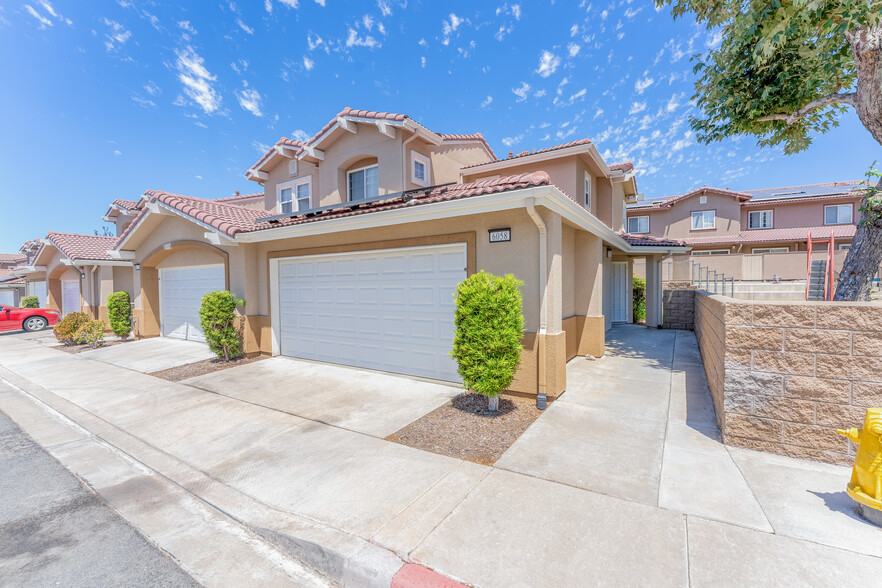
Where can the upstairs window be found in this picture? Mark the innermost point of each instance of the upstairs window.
(587, 190)
(295, 197)
(364, 183)
(759, 219)
(638, 224)
(837, 214)
(704, 219)
(292, 167)
(419, 169)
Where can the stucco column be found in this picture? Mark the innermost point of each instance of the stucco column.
(590, 330)
(244, 283)
(653, 291)
(553, 344)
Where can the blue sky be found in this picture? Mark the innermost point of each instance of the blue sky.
(103, 100)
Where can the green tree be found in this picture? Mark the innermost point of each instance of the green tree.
(217, 317)
(30, 302)
(489, 325)
(639, 298)
(787, 69)
(119, 313)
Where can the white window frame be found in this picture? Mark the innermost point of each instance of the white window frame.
(703, 212)
(712, 252)
(702, 199)
(414, 159)
(355, 171)
(638, 218)
(757, 250)
(760, 212)
(587, 189)
(844, 246)
(839, 207)
(292, 167)
(293, 184)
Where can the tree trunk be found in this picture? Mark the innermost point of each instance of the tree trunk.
(493, 403)
(865, 255)
(866, 48)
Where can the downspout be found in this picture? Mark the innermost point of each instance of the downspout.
(541, 398)
(404, 167)
(94, 295)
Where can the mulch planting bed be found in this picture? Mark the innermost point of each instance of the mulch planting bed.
(79, 348)
(200, 368)
(465, 429)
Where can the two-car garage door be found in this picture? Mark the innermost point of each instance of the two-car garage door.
(389, 310)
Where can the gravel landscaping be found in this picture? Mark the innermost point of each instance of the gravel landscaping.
(465, 429)
(200, 368)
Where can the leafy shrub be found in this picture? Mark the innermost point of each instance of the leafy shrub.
(217, 317)
(489, 325)
(91, 334)
(30, 302)
(119, 313)
(639, 299)
(67, 329)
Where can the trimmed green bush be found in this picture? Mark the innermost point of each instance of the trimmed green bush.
(489, 325)
(217, 317)
(119, 313)
(639, 299)
(67, 329)
(91, 334)
(30, 302)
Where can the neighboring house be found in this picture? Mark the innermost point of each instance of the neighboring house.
(365, 231)
(768, 229)
(12, 287)
(75, 273)
(121, 213)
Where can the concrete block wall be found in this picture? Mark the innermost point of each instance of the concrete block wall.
(785, 375)
(678, 309)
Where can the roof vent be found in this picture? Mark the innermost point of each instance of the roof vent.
(510, 154)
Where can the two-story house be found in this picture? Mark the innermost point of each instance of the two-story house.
(12, 287)
(365, 230)
(764, 233)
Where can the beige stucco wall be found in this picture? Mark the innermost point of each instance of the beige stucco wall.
(676, 222)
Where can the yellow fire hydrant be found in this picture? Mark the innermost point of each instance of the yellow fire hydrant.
(866, 475)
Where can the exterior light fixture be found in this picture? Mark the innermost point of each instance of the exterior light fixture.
(82, 276)
(137, 267)
(609, 252)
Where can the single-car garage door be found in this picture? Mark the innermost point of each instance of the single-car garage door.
(389, 310)
(180, 293)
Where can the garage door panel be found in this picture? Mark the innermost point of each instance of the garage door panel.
(181, 292)
(386, 310)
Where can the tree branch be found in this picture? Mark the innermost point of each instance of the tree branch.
(796, 115)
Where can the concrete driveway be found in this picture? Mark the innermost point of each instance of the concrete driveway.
(152, 355)
(364, 401)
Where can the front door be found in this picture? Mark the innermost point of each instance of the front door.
(620, 291)
(70, 296)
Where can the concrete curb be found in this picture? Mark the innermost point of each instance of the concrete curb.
(343, 558)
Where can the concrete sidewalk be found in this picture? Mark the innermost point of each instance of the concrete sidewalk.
(589, 495)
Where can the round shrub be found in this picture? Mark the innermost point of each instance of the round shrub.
(119, 313)
(67, 328)
(217, 317)
(489, 325)
(91, 334)
(30, 302)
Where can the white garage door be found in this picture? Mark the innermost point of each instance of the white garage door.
(38, 289)
(7, 297)
(389, 310)
(180, 293)
(70, 296)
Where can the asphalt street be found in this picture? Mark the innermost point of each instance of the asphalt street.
(56, 532)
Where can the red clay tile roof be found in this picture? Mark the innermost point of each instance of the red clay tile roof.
(531, 153)
(773, 235)
(470, 137)
(232, 219)
(235, 199)
(669, 201)
(130, 205)
(283, 142)
(12, 257)
(798, 199)
(625, 166)
(86, 247)
(650, 240)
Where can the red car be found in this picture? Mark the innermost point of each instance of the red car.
(29, 319)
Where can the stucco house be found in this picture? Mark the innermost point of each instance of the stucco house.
(763, 234)
(354, 247)
(12, 287)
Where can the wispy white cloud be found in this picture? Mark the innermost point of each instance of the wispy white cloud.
(320, 2)
(521, 92)
(384, 7)
(511, 141)
(117, 36)
(548, 64)
(573, 49)
(46, 21)
(449, 26)
(354, 40)
(308, 63)
(299, 135)
(244, 26)
(185, 25)
(637, 107)
(249, 99)
(143, 102)
(151, 88)
(197, 80)
(643, 83)
(487, 101)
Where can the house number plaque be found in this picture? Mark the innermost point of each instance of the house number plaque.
(500, 235)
